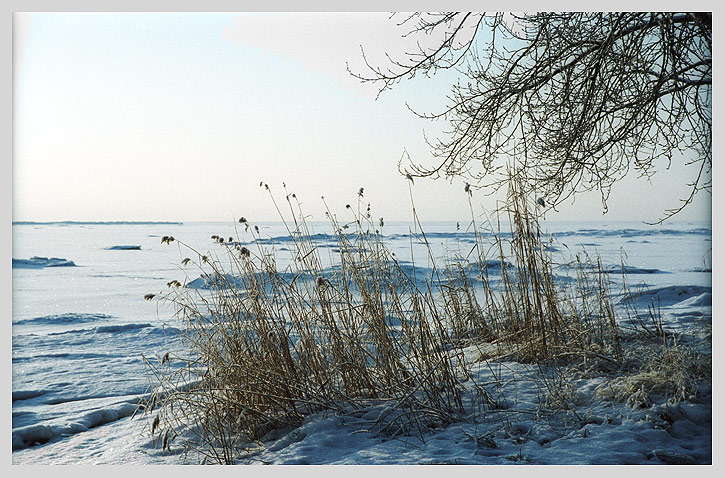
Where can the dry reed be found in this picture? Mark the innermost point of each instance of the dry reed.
(266, 347)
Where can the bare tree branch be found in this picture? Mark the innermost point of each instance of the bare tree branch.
(570, 101)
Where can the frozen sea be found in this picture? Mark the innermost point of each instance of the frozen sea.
(81, 327)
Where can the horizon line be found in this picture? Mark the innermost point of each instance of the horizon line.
(142, 222)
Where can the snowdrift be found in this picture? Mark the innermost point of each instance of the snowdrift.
(41, 262)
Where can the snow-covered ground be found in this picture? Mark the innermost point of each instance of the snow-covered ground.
(593, 432)
(79, 334)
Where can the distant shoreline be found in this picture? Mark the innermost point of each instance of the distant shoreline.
(93, 223)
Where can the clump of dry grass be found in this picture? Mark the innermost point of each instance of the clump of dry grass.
(531, 317)
(657, 362)
(664, 368)
(268, 346)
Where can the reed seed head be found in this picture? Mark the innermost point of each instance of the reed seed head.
(322, 282)
(149, 296)
(155, 424)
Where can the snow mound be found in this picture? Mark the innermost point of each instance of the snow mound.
(620, 269)
(113, 329)
(138, 329)
(27, 394)
(634, 270)
(227, 281)
(702, 300)
(41, 262)
(628, 232)
(65, 319)
(25, 437)
(673, 295)
(217, 281)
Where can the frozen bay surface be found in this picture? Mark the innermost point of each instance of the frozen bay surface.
(80, 332)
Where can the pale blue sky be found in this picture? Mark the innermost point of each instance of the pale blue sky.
(123, 116)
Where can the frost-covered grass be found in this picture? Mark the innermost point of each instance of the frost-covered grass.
(357, 357)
